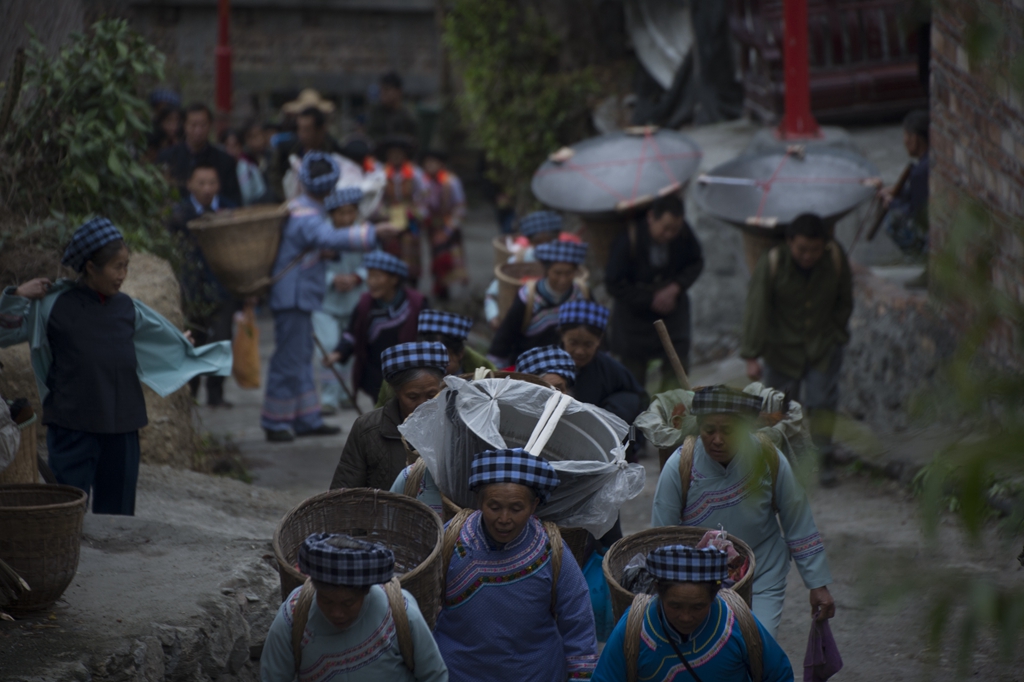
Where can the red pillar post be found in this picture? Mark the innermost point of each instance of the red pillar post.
(797, 121)
(223, 62)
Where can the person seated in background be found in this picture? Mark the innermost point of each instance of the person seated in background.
(208, 306)
(374, 453)
(552, 364)
(250, 178)
(451, 330)
(650, 268)
(385, 316)
(906, 213)
(346, 283)
(196, 150)
(445, 209)
(347, 620)
(539, 227)
(532, 319)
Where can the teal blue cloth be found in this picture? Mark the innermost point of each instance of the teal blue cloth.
(600, 596)
(166, 359)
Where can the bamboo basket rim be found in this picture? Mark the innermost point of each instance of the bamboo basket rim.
(237, 216)
(80, 497)
(582, 274)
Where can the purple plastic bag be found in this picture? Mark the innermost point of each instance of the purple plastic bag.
(822, 660)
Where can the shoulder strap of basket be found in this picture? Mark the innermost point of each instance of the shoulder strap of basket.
(299, 618)
(631, 234)
(685, 468)
(584, 289)
(531, 297)
(837, 255)
(555, 538)
(414, 479)
(631, 643)
(748, 628)
(773, 262)
(771, 458)
(393, 589)
(451, 536)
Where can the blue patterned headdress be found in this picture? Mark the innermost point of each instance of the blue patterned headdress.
(322, 184)
(336, 559)
(164, 96)
(343, 196)
(583, 312)
(721, 399)
(380, 260)
(561, 252)
(89, 238)
(413, 355)
(540, 221)
(440, 322)
(547, 360)
(513, 466)
(682, 564)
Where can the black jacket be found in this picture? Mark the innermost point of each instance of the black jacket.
(180, 161)
(606, 383)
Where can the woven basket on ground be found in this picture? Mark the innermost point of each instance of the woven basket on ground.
(241, 245)
(645, 541)
(24, 468)
(512, 276)
(40, 538)
(406, 526)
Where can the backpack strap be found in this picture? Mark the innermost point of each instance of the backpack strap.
(771, 458)
(584, 289)
(396, 600)
(685, 469)
(299, 619)
(531, 298)
(555, 538)
(631, 642)
(451, 537)
(773, 261)
(414, 479)
(749, 630)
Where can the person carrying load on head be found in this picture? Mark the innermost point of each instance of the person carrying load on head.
(350, 621)
(92, 347)
(374, 454)
(386, 315)
(451, 330)
(539, 227)
(532, 319)
(346, 282)
(516, 605)
(291, 406)
(552, 364)
(730, 478)
(691, 629)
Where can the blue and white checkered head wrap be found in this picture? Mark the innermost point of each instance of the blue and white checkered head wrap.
(682, 564)
(547, 360)
(164, 96)
(322, 184)
(89, 238)
(540, 221)
(583, 312)
(380, 260)
(561, 252)
(343, 196)
(336, 559)
(513, 466)
(440, 322)
(721, 399)
(413, 355)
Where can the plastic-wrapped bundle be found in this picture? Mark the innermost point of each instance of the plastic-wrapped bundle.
(585, 448)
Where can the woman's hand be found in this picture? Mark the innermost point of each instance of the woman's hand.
(333, 358)
(188, 335)
(33, 289)
(754, 370)
(823, 606)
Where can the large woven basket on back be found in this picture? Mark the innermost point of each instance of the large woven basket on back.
(512, 276)
(501, 251)
(406, 526)
(620, 553)
(241, 245)
(25, 467)
(40, 538)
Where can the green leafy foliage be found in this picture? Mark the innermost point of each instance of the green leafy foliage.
(517, 101)
(74, 144)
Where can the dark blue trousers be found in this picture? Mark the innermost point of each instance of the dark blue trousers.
(105, 465)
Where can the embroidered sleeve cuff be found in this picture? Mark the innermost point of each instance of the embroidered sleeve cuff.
(581, 667)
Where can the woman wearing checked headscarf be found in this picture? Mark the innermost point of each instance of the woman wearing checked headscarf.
(732, 479)
(550, 363)
(291, 406)
(92, 348)
(516, 605)
(348, 617)
(691, 630)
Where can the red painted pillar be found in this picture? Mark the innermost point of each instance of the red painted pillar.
(797, 121)
(223, 60)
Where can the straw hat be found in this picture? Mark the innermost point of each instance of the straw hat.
(306, 99)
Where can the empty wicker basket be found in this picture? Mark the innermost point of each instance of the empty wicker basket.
(620, 553)
(241, 245)
(406, 526)
(40, 538)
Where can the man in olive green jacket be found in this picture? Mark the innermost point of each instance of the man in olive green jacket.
(796, 320)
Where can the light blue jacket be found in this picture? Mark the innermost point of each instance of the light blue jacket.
(308, 231)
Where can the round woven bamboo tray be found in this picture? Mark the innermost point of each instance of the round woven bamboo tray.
(40, 538)
(512, 276)
(406, 526)
(647, 540)
(501, 251)
(241, 245)
(24, 468)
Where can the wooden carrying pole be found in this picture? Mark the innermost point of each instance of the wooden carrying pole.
(673, 358)
(337, 375)
(896, 189)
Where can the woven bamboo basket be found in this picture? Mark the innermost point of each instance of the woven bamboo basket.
(241, 245)
(501, 251)
(24, 468)
(647, 540)
(40, 538)
(512, 276)
(406, 526)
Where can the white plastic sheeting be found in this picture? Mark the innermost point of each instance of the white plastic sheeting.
(585, 448)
